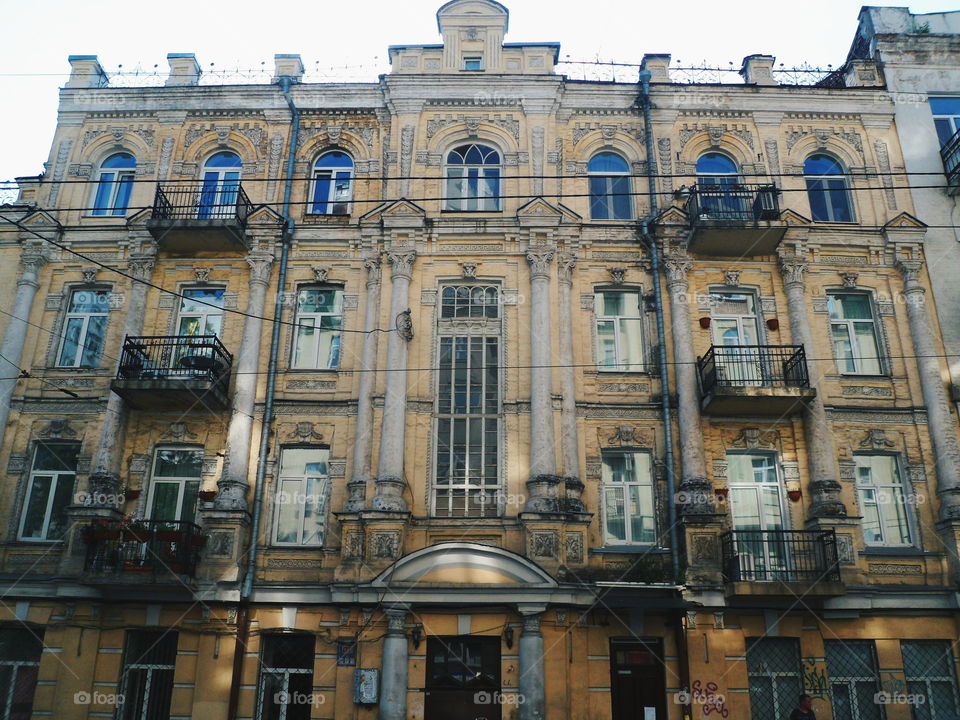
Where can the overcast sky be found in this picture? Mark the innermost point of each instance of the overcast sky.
(353, 36)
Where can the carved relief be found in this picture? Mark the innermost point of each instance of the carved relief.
(752, 437)
(545, 544)
(305, 431)
(574, 547)
(386, 545)
(876, 439)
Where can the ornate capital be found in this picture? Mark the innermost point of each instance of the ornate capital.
(31, 261)
(396, 617)
(676, 266)
(565, 265)
(141, 266)
(540, 263)
(531, 624)
(910, 271)
(792, 267)
(401, 263)
(372, 264)
(260, 264)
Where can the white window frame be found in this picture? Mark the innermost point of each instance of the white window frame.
(322, 498)
(953, 119)
(317, 319)
(650, 489)
(180, 480)
(85, 318)
(887, 490)
(330, 174)
(469, 327)
(121, 176)
(484, 203)
(618, 367)
(467, 59)
(850, 323)
(203, 314)
(56, 477)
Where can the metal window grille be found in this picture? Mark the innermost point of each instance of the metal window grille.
(20, 650)
(854, 679)
(773, 665)
(146, 681)
(285, 687)
(929, 670)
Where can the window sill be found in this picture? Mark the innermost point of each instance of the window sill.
(332, 372)
(897, 551)
(491, 213)
(629, 550)
(865, 376)
(118, 218)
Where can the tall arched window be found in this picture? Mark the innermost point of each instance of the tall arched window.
(827, 190)
(610, 197)
(332, 189)
(221, 180)
(114, 184)
(473, 178)
(720, 191)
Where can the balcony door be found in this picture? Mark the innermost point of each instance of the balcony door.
(718, 182)
(174, 484)
(757, 513)
(221, 183)
(734, 325)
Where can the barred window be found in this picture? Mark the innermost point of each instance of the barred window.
(773, 666)
(20, 651)
(146, 680)
(285, 687)
(929, 670)
(468, 403)
(854, 679)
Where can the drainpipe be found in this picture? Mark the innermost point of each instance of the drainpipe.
(243, 612)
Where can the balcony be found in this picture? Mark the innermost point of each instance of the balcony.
(734, 220)
(950, 153)
(150, 551)
(769, 380)
(200, 219)
(174, 373)
(781, 562)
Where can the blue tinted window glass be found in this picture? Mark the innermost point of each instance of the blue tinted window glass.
(224, 160)
(120, 160)
(335, 159)
(715, 163)
(945, 106)
(607, 162)
(123, 195)
(821, 165)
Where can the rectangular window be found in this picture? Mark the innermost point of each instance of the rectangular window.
(468, 403)
(201, 312)
(930, 672)
(146, 680)
(619, 330)
(882, 500)
(854, 334)
(285, 686)
(50, 491)
(946, 117)
(473, 62)
(319, 320)
(303, 488)
(628, 498)
(854, 679)
(332, 191)
(175, 484)
(84, 328)
(773, 668)
(20, 651)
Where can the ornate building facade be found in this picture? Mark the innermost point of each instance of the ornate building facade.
(475, 392)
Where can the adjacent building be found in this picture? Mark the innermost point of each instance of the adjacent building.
(478, 391)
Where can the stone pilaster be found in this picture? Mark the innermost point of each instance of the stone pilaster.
(233, 483)
(569, 439)
(393, 671)
(390, 473)
(825, 500)
(531, 681)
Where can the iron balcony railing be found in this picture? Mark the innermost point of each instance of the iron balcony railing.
(950, 153)
(162, 357)
(760, 366)
(780, 556)
(738, 202)
(150, 547)
(220, 200)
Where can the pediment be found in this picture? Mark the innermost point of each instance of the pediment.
(265, 215)
(905, 221)
(40, 219)
(464, 563)
(672, 216)
(540, 209)
(793, 218)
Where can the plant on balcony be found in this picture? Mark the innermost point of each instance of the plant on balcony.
(100, 529)
(135, 529)
(168, 532)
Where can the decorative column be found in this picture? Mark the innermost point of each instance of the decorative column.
(31, 261)
(530, 684)
(390, 477)
(942, 426)
(233, 483)
(363, 439)
(105, 481)
(543, 482)
(570, 442)
(695, 496)
(393, 671)
(821, 453)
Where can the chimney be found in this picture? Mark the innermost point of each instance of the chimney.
(659, 67)
(287, 66)
(862, 73)
(86, 72)
(184, 69)
(758, 70)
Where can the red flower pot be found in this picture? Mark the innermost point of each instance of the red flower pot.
(794, 495)
(705, 322)
(198, 540)
(773, 324)
(168, 535)
(207, 495)
(104, 534)
(132, 494)
(137, 534)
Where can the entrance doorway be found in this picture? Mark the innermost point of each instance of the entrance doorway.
(637, 683)
(463, 678)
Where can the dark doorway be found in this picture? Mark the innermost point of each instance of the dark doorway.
(637, 682)
(463, 678)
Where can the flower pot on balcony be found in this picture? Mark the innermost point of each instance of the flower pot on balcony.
(103, 533)
(773, 324)
(705, 323)
(207, 495)
(132, 493)
(721, 494)
(198, 541)
(794, 495)
(168, 535)
(137, 534)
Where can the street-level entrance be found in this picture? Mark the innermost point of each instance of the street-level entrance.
(637, 682)
(463, 678)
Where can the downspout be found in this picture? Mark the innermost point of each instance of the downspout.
(683, 660)
(243, 612)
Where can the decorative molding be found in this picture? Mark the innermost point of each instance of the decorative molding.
(876, 439)
(883, 165)
(849, 279)
(752, 437)
(178, 431)
(305, 431)
(59, 429)
(617, 275)
(623, 387)
(468, 270)
(894, 569)
(311, 385)
(202, 274)
(320, 273)
(866, 391)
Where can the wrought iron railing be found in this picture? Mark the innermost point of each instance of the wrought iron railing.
(163, 357)
(219, 200)
(733, 202)
(150, 547)
(950, 153)
(761, 366)
(780, 556)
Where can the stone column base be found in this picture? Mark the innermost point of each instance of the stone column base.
(224, 559)
(949, 531)
(389, 497)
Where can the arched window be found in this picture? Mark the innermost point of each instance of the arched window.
(332, 189)
(827, 190)
(473, 178)
(114, 184)
(610, 197)
(720, 189)
(221, 181)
